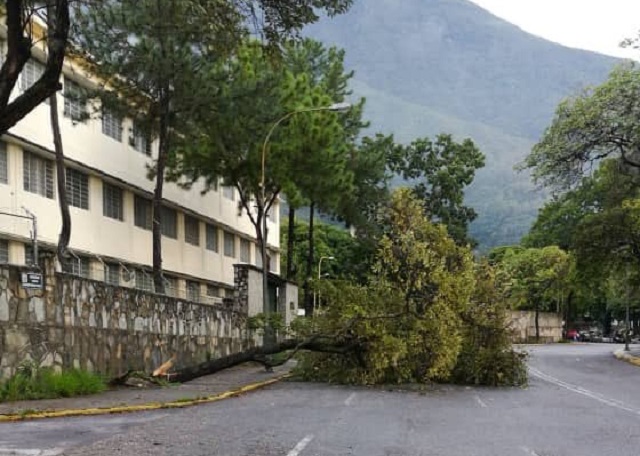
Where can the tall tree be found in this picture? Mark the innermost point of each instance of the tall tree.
(440, 171)
(24, 19)
(149, 57)
(600, 122)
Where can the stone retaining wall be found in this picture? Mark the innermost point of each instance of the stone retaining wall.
(523, 326)
(75, 322)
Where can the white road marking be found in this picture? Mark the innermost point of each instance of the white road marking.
(480, 401)
(30, 451)
(529, 451)
(350, 399)
(585, 392)
(300, 446)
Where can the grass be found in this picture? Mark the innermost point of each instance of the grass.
(46, 384)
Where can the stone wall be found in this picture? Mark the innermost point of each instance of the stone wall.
(76, 322)
(523, 326)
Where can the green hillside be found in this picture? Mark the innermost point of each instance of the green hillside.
(431, 66)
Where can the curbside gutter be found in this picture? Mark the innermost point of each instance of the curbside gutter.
(628, 357)
(63, 413)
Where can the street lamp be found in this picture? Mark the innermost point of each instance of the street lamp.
(330, 258)
(336, 107)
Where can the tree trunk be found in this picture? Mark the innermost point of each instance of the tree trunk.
(308, 298)
(291, 230)
(18, 54)
(257, 354)
(63, 202)
(156, 226)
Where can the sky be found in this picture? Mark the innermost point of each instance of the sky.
(596, 25)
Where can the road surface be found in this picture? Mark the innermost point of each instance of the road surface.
(580, 401)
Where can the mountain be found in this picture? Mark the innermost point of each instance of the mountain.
(432, 66)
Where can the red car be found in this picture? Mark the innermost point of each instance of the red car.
(572, 334)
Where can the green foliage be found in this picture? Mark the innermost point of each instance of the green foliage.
(440, 171)
(407, 324)
(259, 322)
(34, 382)
(487, 356)
(535, 276)
(598, 123)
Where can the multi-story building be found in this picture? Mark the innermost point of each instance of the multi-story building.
(110, 203)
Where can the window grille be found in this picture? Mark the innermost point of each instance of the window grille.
(38, 175)
(142, 212)
(191, 230)
(112, 274)
(4, 164)
(31, 72)
(212, 238)
(78, 266)
(229, 245)
(171, 286)
(193, 291)
(213, 291)
(169, 223)
(77, 186)
(245, 251)
(4, 251)
(112, 205)
(140, 141)
(144, 281)
(111, 124)
(74, 105)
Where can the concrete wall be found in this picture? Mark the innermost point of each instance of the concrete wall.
(523, 326)
(87, 324)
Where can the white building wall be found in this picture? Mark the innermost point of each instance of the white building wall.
(104, 158)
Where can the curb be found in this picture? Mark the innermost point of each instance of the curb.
(141, 407)
(625, 356)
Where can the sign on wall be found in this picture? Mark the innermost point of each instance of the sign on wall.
(32, 280)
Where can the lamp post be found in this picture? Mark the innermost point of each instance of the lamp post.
(336, 107)
(330, 258)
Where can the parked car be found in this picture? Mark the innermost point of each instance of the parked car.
(572, 334)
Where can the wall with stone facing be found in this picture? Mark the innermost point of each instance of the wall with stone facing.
(91, 325)
(523, 326)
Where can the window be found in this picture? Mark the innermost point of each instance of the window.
(228, 293)
(171, 286)
(78, 266)
(169, 223)
(193, 291)
(271, 262)
(142, 212)
(191, 230)
(213, 291)
(228, 192)
(74, 105)
(4, 164)
(29, 256)
(31, 72)
(38, 175)
(112, 274)
(229, 245)
(140, 141)
(111, 124)
(245, 251)
(4, 251)
(212, 238)
(112, 206)
(77, 185)
(144, 281)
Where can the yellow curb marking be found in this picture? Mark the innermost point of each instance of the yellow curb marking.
(141, 407)
(628, 358)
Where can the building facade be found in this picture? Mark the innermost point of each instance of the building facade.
(110, 196)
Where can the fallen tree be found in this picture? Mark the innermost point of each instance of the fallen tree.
(427, 314)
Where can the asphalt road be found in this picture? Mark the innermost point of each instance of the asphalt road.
(580, 401)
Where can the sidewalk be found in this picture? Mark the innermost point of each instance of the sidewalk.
(632, 356)
(228, 383)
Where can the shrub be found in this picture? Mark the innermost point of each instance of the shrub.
(44, 383)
